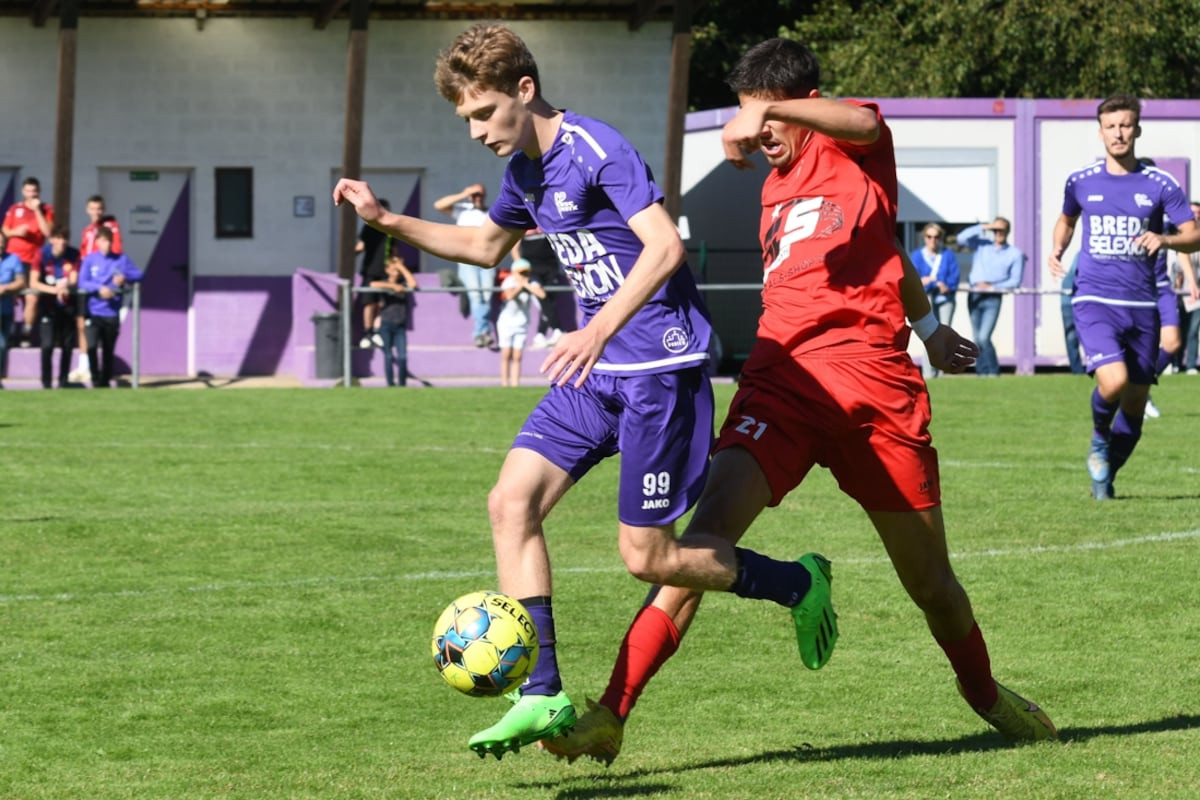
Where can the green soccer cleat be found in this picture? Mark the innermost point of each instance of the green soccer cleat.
(1018, 719)
(815, 619)
(532, 717)
(597, 735)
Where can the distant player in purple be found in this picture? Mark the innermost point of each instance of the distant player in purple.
(1122, 202)
(633, 379)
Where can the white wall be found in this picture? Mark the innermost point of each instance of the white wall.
(270, 94)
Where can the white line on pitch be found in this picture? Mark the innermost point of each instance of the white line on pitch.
(10, 599)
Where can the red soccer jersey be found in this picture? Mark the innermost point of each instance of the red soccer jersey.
(87, 242)
(831, 270)
(28, 246)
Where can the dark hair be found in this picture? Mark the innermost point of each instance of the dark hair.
(31, 181)
(59, 230)
(776, 68)
(96, 199)
(104, 232)
(1120, 102)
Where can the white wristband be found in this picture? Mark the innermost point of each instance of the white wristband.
(925, 326)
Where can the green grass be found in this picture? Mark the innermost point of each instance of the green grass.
(229, 594)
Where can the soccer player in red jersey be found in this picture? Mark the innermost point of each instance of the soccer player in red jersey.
(828, 382)
(27, 224)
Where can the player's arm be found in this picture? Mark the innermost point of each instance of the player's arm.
(1185, 240)
(1064, 231)
(662, 253)
(485, 245)
(947, 350)
(845, 122)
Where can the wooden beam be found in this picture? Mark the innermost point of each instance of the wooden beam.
(356, 79)
(42, 11)
(326, 11)
(677, 92)
(64, 123)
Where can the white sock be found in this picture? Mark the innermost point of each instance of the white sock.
(83, 363)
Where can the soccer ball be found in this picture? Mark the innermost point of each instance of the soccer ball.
(484, 644)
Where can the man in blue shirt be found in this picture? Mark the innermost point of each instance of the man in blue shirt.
(12, 281)
(996, 267)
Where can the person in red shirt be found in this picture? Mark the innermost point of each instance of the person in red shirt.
(98, 218)
(827, 382)
(27, 224)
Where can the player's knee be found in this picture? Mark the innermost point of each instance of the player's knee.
(940, 596)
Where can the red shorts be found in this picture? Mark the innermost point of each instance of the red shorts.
(866, 420)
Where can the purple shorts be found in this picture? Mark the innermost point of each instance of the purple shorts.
(661, 424)
(1168, 307)
(1110, 333)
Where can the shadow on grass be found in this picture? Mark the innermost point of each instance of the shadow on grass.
(610, 784)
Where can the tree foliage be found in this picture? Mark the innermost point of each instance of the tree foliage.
(972, 48)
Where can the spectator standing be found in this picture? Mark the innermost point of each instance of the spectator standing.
(545, 270)
(27, 224)
(375, 247)
(98, 217)
(1070, 334)
(393, 319)
(103, 276)
(469, 209)
(53, 277)
(996, 267)
(517, 292)
(938, 268)
(12, 281)
(1191, 308)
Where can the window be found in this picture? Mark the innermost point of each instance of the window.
(235, 202)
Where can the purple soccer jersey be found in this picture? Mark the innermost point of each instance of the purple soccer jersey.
(1115, 210)
(581, 193)
(1116, 294)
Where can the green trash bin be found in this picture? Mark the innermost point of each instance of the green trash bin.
(327, 335)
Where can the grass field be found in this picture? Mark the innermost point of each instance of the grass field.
(229, 594)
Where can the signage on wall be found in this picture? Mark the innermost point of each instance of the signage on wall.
(143, 175)
(145, 219)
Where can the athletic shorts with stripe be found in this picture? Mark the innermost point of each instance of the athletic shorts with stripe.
(661, 424)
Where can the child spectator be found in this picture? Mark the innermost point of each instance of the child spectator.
(512, 325)
(103, 275)
(12, 281)
(53, 277)
(393, 319)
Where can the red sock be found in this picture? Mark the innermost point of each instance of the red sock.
(969, 658)
(652, 639)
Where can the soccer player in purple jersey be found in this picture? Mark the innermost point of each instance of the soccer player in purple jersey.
(632, 379)
(1122, 202)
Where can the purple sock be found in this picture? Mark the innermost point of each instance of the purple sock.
(1164, 361)
(1102, 414)
(762, 578)
(545, 678)
(1125, 435)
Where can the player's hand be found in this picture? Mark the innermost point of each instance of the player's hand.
(359, 195)
(474, 188)
(950, 352)
(743, 135)
(574, 352)
(1150, 241)
(1057, 270)
(34, 203)
(106, 293)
